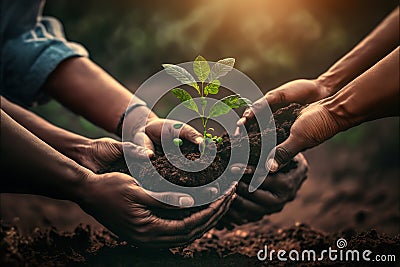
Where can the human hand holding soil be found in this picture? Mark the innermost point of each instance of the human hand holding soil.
(94, 154)
(120, 204)
(272, 195)
(318, 122)
(114, 199)
(349, 107)
(300, 91)
(144, 128)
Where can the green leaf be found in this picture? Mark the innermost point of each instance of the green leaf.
(181, 75)
(219, 109)
(185, 98)
(235, 101)
(201, 68)
(177, 141)
(208, 135)
(242, 101)
(219, 140)
(178, 125)
(211, 129)
(212, 88)
(223, 106)
(221, 68)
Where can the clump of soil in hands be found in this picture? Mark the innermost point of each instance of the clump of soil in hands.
(147, 175)
(283, 119)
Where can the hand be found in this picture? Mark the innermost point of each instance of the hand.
(116, 201)
(273, 194)
(146, 128)
(98, 154)
(298, 91)
(314, 125)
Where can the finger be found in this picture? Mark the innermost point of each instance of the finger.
(143, 140)
(250, 114)
(235, 217)
(135, 151)
(191, 134)
(210, 192)
(248, 209)
(172, 227)
(282, 154)
(276, 98)
(240, 168)
(261, 197)
(181, 238)
(166, 200)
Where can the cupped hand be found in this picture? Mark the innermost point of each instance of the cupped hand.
(273, 194)
(98, 154)
(314, 125)
(300, 91)
(144, 128)
(117, 202)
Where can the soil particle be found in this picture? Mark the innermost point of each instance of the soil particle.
(85, 247)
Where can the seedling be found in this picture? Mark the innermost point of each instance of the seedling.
(209, 84)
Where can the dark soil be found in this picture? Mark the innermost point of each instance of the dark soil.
(147, 175)
(283, 119)
(85, 247)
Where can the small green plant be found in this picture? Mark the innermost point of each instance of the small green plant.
(209, 84)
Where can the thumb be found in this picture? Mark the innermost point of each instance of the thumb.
(135, 151)
(141, 139)
(282, 154)
(191, 134)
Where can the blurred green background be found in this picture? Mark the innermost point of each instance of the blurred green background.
(273, 42)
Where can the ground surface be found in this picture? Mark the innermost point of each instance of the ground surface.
(351, 189)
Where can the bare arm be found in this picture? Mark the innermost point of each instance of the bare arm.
(94, 154)
(88, 90)
(28, 165)
(380, 42)
(373, 95)
(31, 166)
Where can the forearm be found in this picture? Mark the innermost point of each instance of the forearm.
(88, 90)
(373, 95)
(383, 39)
(70, 144)
(29, 165)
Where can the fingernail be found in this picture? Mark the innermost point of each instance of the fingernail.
(199, 140)
(213, 191)
(272, 165)
(186, 201)
(150, 153)
(236, 169)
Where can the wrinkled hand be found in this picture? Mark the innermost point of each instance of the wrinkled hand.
(151, 128)
(100, 153)
(273, 194)
(117, 202)
(314, 125)
(297, 91)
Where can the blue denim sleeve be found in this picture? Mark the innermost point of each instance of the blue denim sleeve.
(29, 59)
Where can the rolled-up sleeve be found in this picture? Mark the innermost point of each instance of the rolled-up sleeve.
(30, 58)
